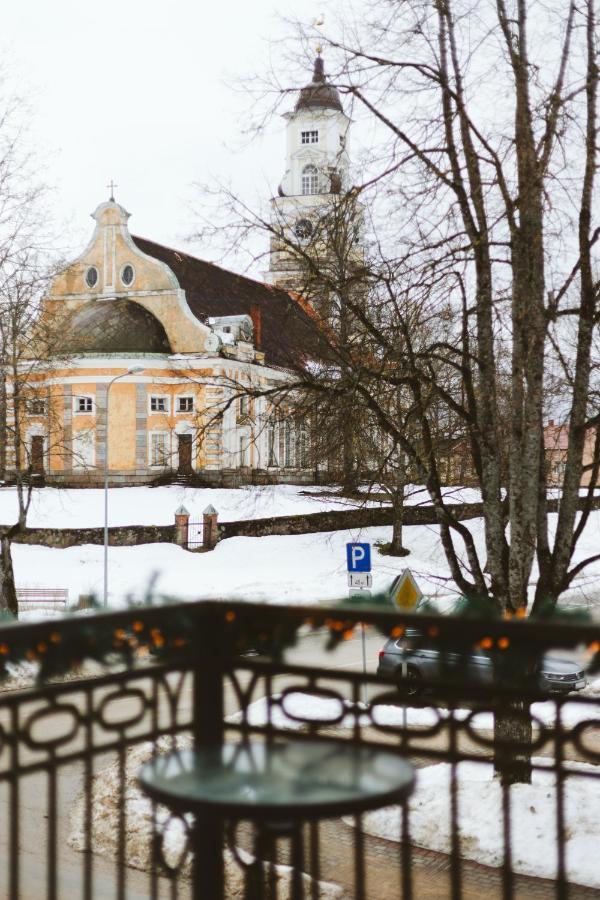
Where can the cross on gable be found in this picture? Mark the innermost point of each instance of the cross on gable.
(111, 188)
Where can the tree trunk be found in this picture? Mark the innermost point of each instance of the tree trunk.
(396, 548)
(512, 742)
(8, 591)
(3, 432)
(349, 468)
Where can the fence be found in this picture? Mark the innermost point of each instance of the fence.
(77, 826)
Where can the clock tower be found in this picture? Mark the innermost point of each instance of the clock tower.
(315, 178)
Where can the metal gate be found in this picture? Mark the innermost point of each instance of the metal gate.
(195, 534)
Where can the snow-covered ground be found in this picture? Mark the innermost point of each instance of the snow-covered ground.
(533, 807)
(281, 569)
(300, 706)
(294, 569)
(84, 507)
(480, 823)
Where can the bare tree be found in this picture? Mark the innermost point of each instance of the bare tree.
(25, 339)
(485, 174)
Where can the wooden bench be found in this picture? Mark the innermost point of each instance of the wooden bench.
(42, 599)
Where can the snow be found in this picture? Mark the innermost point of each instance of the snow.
(305, 706)
(533, 818)
(279, 569)
(107, 809)
(84, 507)
(296, 569)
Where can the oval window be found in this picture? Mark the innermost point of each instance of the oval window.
(91, 276)
(127, 275)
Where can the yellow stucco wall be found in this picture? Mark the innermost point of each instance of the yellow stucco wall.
(154, 287)
(121, 435)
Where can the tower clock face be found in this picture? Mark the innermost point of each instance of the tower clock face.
(303, 229)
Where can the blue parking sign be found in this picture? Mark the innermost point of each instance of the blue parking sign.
(358, 557)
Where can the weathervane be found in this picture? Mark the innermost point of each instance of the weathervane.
(112, 187)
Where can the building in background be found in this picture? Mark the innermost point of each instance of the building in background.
(204, 338)
(208, 341)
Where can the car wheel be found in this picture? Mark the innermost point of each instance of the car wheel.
(410, 683)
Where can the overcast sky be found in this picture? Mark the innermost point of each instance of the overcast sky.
(140, 91)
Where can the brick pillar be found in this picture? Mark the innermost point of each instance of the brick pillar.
(210, 534)
(182, 519)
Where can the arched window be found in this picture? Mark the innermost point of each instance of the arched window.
(310, 180)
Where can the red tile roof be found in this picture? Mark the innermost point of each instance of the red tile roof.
(289, 325)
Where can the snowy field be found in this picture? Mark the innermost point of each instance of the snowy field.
(295, 569)
(479, 795)
(532, 811)
(84, 507)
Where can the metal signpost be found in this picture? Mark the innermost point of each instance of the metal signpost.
(405, 593)
(358, 558)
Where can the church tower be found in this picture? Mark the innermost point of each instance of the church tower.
(316, 173)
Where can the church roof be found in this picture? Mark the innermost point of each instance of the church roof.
(114, 326)
(319, 94)
(289, 326)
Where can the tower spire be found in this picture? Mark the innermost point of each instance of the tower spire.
(319, 68)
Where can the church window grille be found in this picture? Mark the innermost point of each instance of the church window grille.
(91, 277)
(272, 444)
(310, 180)
(288, 444)
(310, 137)
(36, 407)
(83, 404)
(159, 448)
(83, 449)
(185, 404)
(159, 404)
(243, 450)
(127, 275)
(301, 445)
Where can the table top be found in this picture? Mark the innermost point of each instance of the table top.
(278, 778)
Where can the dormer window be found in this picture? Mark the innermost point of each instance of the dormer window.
(309, 137)
(310, 180)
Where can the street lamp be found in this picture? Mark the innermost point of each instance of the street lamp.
(134, 370)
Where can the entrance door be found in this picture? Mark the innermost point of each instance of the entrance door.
(37, 455)
(185, 454)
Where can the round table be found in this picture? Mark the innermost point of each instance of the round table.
(278, 783)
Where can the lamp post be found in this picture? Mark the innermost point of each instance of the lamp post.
(134, 370)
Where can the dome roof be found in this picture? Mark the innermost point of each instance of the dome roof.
(114, 326)
(319, 94)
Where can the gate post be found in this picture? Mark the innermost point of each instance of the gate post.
(182, 519)
(210, 534)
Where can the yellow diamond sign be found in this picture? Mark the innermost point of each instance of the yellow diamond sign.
(405, 593)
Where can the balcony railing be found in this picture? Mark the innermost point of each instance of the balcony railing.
(75, 823)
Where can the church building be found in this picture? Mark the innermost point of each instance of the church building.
(160, 359)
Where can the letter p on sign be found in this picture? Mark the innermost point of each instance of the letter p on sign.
(358, 557)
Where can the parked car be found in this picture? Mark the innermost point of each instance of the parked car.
(407, 659)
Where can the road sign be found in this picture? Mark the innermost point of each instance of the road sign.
(360, 580)
(405, 593)
(358, 557)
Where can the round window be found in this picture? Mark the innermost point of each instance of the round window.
(303, 229)
(127, 275)
(91, 277)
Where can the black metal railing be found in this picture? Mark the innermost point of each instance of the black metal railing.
(77, 825)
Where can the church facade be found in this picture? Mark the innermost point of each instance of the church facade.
(163, 363)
